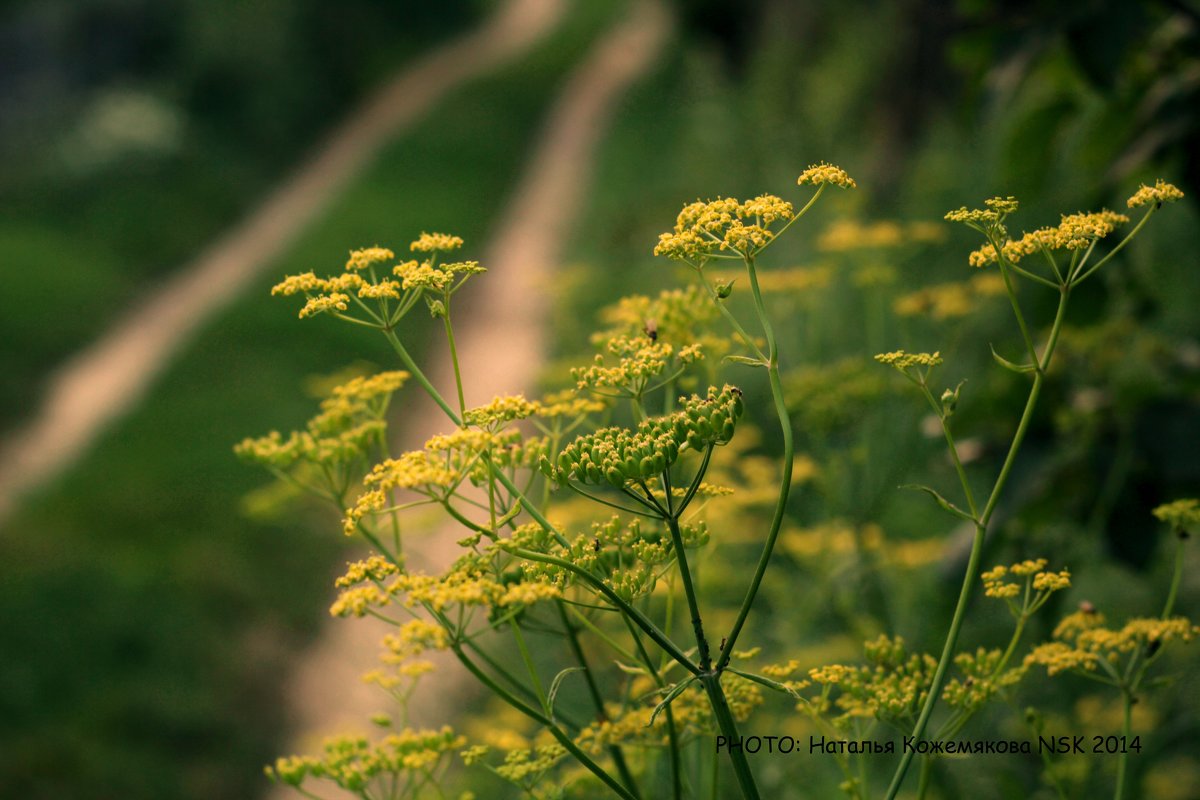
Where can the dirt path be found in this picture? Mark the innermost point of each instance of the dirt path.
(108, 377)
(501, 341)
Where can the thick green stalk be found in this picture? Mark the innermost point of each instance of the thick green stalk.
(1126, 730)
(728, 727)
(689, 591)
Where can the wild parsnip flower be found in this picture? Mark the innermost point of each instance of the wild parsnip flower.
(567, 403)
(350, 421)
(826, 173)
(364, 258)
(617, 455)
(500, 411)
(705, 227)
(413, 638)
(432, 242)
(1180, 514)
(890, 688)
(903, 361)
(1036, 584)
(374, 568)
(1161, 192)
(985, 218)
(354, 762)
(639, 359)
(324, 304)
(524, 767)
(385, 288)
(1081, 640)
(981, 680)
(1074, 232)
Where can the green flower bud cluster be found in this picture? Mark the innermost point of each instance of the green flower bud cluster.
(617, 455)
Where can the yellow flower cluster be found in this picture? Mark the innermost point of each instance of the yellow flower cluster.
(705, 227)
(639, 359)
(525, 767)
(1082, 641)
(1033, 571)
(982, 679)
(985, 218)
(430, 242)
(902, 360)
(334, 294)
(350, 420)
(364, 258)
(826, 173)
(679, 317)
(373, 568)
(413, 638)
(1160, 192)
(890, 688)
(1180, 514)
(691, 710)
(500, 411)
(1074, 232)
(567, 404)
(353, 762)
(467, 583)
(627, 556)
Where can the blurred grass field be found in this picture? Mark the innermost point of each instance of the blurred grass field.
(147, 622)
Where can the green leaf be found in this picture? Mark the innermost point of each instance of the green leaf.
(554, 686)
(767, 682)
(747, 360)
(1009, 365)
(674, 692)
(941, 501)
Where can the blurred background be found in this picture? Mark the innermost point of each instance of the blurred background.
(151, 614)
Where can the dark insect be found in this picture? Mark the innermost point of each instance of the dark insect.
(651, 329)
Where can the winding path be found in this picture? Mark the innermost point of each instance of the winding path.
(106, 379)
(501, 340)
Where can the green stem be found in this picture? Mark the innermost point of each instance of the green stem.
(950, 444)
(1176, 578)
(458, 383)
(972, 572)
(538, 690)
(785, 483)
(728, 727)
(412, 367)
(651, 630)
(1123, 758)
(1012, 297)
(689, 591)
(614, 750)
(548, 723)
(672, 734)
(1120, 246)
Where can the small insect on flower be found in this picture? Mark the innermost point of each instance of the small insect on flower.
(651, 329)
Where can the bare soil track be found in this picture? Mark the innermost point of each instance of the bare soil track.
(107, 379)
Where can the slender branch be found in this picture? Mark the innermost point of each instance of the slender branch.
(785, 481)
